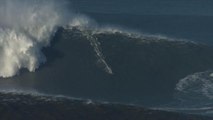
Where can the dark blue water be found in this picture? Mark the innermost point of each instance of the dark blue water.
(144, 73)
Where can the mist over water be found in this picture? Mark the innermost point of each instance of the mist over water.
(25, 29)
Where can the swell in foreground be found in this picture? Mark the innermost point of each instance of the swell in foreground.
(34, 106)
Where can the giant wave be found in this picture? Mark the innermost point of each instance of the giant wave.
(27, 26)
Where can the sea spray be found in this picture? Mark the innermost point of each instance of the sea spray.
(25, 28)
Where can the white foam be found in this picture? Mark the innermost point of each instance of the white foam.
(25, 28)
(200, 84)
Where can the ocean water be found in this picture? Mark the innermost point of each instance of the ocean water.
(156, 54)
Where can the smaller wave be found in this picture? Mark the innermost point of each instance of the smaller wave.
(50, 97)
(31, 105)
(38, 96)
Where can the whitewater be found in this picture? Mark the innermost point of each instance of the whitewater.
(24, 31)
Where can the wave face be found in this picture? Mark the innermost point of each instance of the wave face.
(118, 65)
(142, 65)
